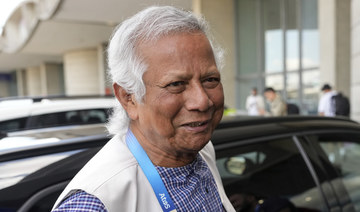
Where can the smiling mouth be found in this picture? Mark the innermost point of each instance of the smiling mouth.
(197, 124)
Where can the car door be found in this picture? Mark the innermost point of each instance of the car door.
(268, 171)
(339, 152)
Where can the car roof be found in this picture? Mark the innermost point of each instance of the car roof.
(230, 128)
(18, 108)
(247, 127)
(51, 137)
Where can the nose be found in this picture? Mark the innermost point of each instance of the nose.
(197, 98)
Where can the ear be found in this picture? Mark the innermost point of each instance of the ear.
(127, 101)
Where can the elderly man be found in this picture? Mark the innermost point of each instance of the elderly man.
(166, 79)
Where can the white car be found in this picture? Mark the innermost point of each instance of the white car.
(24, 114)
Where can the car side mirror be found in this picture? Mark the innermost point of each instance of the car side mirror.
(236, 165)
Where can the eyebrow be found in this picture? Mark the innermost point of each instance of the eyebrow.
(174, 74)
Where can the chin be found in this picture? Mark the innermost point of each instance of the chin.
(201, 142)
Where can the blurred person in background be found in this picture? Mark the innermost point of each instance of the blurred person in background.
(277, 104)
(166, 78)
(255, 105)
(325, 107)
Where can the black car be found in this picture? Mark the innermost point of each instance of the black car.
(300, 162)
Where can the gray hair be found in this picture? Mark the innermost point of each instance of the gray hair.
(126, 67)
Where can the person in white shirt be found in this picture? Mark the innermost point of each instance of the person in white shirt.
(255, 104)
(325, 107)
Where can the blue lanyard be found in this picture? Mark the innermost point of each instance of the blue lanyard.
(150, 172)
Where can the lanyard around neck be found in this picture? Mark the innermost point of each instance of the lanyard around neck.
(150, 172)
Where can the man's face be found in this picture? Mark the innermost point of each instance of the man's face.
(269, 95)
(184, 98)
(253, 92)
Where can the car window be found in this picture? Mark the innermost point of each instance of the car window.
(91, 116)
(268, 171)
(13, 125)
(344, 153)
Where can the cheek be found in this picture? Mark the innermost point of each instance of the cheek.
(217, 97)
(165, 109)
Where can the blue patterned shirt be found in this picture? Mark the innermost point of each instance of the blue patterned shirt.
(191, 187)
(82, 201)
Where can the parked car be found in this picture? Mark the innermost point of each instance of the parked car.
(310, 162)
(46, 136)
(40, 112)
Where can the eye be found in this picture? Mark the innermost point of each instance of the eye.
(211, 82)
(176, 87)
(175, 84)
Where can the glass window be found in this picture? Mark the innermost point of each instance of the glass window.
(292, 50)
(310, 34)
(91, 116)
(292, 35)
(292, 87)
(276, 81)
(254, 173)
(311, 90)
(344, 154)
(310, 49)
(13, 125)
(247, 42)
(273, 37)
(277, 37)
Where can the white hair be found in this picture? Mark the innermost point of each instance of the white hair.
(126, 67)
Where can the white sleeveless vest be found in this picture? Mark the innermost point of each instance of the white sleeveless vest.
(114, 176)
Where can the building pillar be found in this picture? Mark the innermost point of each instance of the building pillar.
(196, 7)
(4, 87)
(33, 81)
(82, 72)
(334, 28)
(105, 85)
(53, 79)
(21, 82)
(355, 60)
(220, 15)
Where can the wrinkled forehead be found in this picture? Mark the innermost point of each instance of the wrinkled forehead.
(149, 40)
(191, 43)
(188, 54)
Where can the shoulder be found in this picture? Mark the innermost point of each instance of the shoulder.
(330, 94)
(80, 200)
(112, 162)
(278, 100)
(113, 158)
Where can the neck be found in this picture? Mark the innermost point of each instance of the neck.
(166, 160)
(164, 157)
